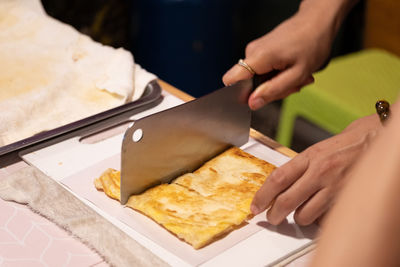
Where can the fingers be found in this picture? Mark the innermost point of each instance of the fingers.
(235, 74)
(314, 208)
(277, 182)
(293, 197)
(285, 83)
(289, 80)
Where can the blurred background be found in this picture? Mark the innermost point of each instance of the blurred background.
(192, 43)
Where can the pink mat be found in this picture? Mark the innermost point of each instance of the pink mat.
(28, 239)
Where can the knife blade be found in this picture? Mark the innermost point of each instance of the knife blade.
(167, 144)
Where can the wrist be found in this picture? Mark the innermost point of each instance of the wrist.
(364, 129)
(329, 14)
(367, 123)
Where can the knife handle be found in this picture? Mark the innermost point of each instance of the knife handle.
(260, 79)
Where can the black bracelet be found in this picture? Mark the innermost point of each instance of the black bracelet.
(383, 109)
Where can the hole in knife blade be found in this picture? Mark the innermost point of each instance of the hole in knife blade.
(137, 135)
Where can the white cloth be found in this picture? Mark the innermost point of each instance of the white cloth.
(45, 196)
(51, 75)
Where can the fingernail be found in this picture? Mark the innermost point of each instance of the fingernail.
(257, 103)
(254, 209)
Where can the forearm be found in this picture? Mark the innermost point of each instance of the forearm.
(327, 13)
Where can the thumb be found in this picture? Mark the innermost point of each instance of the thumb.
(282, 85)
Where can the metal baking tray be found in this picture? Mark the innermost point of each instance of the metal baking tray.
(150, 98)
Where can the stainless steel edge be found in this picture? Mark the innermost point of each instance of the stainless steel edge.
(150, 97)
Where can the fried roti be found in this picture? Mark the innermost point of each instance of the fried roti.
(202, 206)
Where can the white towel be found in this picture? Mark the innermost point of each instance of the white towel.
(51, 75)
(46, 197)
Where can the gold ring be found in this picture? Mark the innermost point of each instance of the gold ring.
(247, 67)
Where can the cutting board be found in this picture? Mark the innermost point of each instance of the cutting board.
(256, 244)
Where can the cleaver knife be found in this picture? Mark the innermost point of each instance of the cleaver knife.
(167, 144)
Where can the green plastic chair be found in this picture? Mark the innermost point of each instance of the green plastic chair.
(344, 91)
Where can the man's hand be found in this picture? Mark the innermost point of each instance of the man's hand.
(309, 183)
(297, 48)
